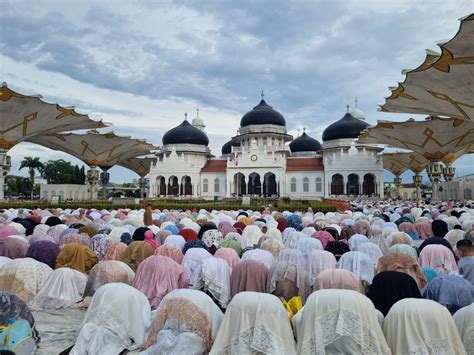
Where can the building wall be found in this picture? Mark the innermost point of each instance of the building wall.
(66, 191)
(213, 179)
(257, 158)
(177, 165)
(303, 184)
(457, 190)
(344, 157)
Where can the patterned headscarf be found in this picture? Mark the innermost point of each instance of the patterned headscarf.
(99, 245)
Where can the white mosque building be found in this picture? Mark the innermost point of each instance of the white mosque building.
(262, 159)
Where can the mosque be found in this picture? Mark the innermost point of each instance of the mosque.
(258, 161)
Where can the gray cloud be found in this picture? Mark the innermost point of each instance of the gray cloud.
(310, 57)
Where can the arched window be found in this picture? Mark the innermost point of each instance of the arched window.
(216, 185)
(305, 184)
(319, 184)
(293, 185)
(205, 185)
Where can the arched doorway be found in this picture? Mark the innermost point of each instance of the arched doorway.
(239, 183)
(173, 186)
(255, 185)
(186, 186)
(353, 184)
(337, 185)
(368, 186)
(161, 186)
(269, 184)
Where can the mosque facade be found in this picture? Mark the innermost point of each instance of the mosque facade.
(262, 159)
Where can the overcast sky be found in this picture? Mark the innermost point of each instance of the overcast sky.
(141, 64)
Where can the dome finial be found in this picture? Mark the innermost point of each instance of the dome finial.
(262, 94)
(185, 116)
(304, 129)
(197, 111)
(347, 107)
(356, 104)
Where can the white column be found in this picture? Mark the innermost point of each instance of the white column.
(228, 188)
(2, 185)
(5, 165)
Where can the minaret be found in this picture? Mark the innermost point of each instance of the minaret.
(198, 122)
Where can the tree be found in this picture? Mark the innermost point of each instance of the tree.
(18, 185)
(32, 164)
(63, 172)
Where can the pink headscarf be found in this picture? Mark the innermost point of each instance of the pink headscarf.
(423, 229)
(338, 279)
(13, 248)
(157, 275)
(439, 258)
(407, 227)
(323, 236)
(149, 239)
(115, 251)
(170, 251)
(229, 255)
(7, 231)
(249, 275)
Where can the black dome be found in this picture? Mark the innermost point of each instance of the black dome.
(346, 127)
(262, 114)
(227, 148)
(185, 133)
(305, 143)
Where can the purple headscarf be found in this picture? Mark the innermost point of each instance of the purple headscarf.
(13, 248)
(44, 251)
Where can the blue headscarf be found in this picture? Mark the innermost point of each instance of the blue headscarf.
(126, 238)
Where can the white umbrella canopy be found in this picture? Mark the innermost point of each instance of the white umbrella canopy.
(443, 85)
(139, 165)
(435, 139)
(96, 149)
(397, 163)
(24, 117)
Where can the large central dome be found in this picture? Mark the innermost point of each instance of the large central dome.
(185, 133)
(347, 127)
(262, 114)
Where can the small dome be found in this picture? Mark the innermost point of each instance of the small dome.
(185, 133)
(357, 114)
(262, 114)
(227, 147)
(347, 127)
(197, 121)
(305, 143)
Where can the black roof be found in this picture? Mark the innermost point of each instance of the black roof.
(347, 127)
(227, 147)
(305, 143)
(185, 133)
(262, 114)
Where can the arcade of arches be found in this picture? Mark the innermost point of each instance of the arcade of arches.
(353, 185)
(174, 186)
(255, 184)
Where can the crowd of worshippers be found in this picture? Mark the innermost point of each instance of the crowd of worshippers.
(381, 278)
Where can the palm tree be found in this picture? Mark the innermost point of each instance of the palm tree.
(32, 164)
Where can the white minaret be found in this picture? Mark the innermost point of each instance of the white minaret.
(198, 122)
